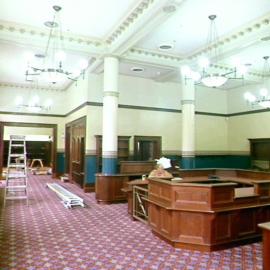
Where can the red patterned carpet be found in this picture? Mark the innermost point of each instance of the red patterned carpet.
(46, 235)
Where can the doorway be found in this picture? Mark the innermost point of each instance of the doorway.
(37, 146)
(147, 147)
(75, 150)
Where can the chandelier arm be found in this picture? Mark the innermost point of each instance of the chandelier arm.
(53, 69)
(50, 36)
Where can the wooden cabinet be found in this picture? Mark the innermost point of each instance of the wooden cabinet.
(260, 153)
(122, 149)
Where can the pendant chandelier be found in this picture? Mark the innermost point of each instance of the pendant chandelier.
(209, 74)
(50, 66)
(263, 99)
(33, 104)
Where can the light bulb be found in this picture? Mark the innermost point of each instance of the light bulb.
(204, 62)
(249, 97)
(48, 103)
(236, 62)
(28, 56)
(196, 76)
(19, 101)
(60, 56)
(264, 92)
(35, 100)
(185, 70)
(242, 69)
(83, 64)
(76, 73)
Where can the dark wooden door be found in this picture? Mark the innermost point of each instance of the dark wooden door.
(147, 147)
(75, 150)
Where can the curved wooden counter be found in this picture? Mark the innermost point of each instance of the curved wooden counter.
(208, 214)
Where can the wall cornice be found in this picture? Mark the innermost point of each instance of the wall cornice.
(29, 86)
(11, 28)
(129, 20)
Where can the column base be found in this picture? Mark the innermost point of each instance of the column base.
(188, 163)
(109, 165)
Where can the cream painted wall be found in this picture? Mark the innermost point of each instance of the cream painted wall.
(9, 94)
(95, 87)
(211, 100)
(243, 127)
(139, 92)
(94, 126)
(76, 94)
(144, 92)
(211, 133)
(152, 123)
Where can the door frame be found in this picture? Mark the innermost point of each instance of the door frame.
(154, 139)
(36, 125)
(68, 144)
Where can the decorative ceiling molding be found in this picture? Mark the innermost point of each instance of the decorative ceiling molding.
(157, 55)
(29, 86)
(132, 17)
(9, 29)
(143, 19)
(243, 32)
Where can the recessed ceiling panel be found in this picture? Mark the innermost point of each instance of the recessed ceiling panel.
(144, 71)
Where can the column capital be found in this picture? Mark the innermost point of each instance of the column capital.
(187, 101)
(111, 56)
(110, 93)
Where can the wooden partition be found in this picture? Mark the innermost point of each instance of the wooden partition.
(108, 188)
(137, 167)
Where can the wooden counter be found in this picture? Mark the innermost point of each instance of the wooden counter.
(108, 187)
(205, 214)
(266, 245)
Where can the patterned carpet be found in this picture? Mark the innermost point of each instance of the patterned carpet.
(46, 235)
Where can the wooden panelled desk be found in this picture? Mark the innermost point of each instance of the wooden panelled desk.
(266, 245)
(207, 214)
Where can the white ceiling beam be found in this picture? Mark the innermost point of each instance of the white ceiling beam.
(149, 19)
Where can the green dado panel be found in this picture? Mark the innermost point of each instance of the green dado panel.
(224, 161)
(60, 163)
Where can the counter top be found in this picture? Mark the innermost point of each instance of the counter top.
(199, 183)
(265, 226)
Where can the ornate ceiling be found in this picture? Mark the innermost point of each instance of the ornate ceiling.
(133, 30)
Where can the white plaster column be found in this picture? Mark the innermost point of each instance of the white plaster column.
(188, 123)
(110, 107)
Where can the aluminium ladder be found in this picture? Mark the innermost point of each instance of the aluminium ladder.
(68, 198)
(16, 177)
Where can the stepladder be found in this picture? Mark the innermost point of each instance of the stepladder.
(16, 176)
